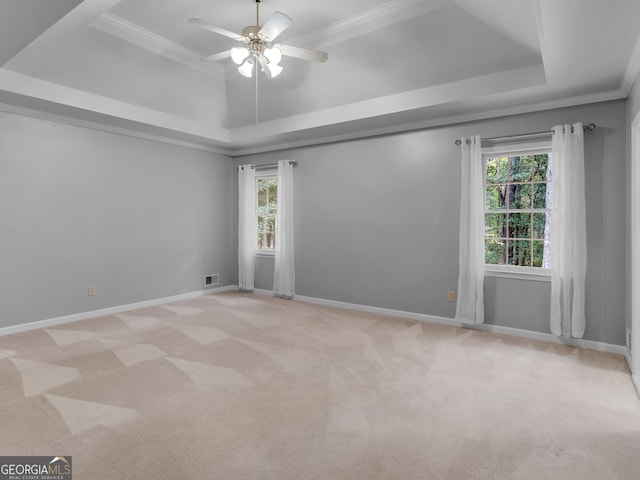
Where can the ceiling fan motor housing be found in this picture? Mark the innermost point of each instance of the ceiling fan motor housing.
(256, 43)
(258, 40)
(251, 31)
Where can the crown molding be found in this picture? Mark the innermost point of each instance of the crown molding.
(480, 86)
(34, 97)
(436, 122)
(49, 92)
(143, 38)
(102, 127)
(389, 130)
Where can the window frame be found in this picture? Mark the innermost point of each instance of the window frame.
(265, 173)
(514, 271)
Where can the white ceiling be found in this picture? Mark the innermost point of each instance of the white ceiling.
(133, 65)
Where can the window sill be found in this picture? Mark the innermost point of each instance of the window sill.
(265, 254)
(518, 273)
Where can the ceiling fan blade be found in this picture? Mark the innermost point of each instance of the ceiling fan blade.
(277, 23)
(217, 57)
(213, 28)
(303, 53)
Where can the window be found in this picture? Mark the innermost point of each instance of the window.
(517, 208)
(267, 195)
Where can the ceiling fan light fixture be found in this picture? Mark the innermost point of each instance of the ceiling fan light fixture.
(274, 69)
(259, 48)
(246, 69)
(273, 54)
(238, 55)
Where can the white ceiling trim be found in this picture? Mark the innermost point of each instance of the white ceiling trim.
(205, 144)
(136, 35)
(102, 127)
(368, 21)
(437, 122)
(421, 98)
(36, 88)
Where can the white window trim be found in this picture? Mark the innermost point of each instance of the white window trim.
(267, 172)
(530, 148)
(515, 271)
(536, 274)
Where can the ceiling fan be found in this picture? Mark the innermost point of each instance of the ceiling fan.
(260, 48)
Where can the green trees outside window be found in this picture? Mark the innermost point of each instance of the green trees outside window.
(267, 206)
(517, 210)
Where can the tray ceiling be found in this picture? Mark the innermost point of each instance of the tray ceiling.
(134, 65)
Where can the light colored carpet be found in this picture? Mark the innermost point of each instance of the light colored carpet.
(237, 386)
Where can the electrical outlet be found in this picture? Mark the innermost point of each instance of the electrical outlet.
(451, 296)
(91, 290)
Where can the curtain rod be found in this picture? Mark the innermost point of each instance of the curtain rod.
(269, 165)
(586, 128)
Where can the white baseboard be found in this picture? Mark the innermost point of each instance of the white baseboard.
(52, 322)
(513, 332)
(636, 383)
(381, 311)
(627, 356)
(268, 293)
(550, 338)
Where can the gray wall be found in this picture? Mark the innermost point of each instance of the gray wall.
(138, 219)
(377, 222)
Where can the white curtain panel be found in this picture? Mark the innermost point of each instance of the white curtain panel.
(470, 305)
(568, 232)
(284, 278)
(247, 227)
